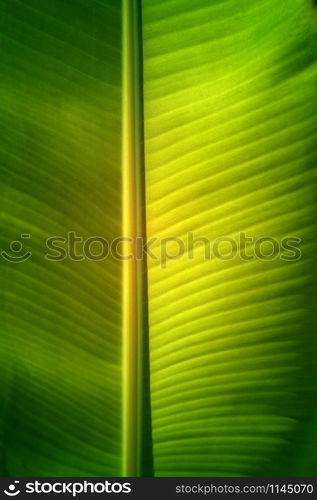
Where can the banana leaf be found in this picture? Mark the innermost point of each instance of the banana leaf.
(157, 120)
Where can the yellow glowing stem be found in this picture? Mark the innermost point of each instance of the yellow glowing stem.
(132, 171)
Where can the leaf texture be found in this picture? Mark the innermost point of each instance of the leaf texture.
(60, 148)
(230, 134)
(229, 100)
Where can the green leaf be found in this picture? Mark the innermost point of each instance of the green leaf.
(60, 172)
(230, 134)
(157, 119)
